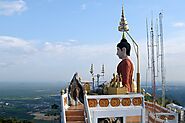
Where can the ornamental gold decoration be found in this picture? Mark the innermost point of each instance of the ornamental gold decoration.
(115, 102)
(92, 102)
(104, 102)
(126, 101)
(137, 101)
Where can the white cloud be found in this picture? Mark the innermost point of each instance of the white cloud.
(179, 24)
(5, 64)
(53, 47)
(52, 60)
(14, 51)
(73, 40)
(13, 42)
(174, 50)
(83, 6)
(8, 8)
(174, 60)
(59, 60)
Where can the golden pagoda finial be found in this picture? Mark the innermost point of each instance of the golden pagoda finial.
(123, 26)
(122, 12)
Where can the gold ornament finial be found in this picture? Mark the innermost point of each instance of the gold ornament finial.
(123, 26)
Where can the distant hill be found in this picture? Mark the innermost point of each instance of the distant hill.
(175, 93)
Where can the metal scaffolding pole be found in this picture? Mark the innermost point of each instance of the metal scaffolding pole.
(153, 63)
(162, 59)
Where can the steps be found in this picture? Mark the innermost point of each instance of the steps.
(75, 114)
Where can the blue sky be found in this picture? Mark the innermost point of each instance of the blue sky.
(49, 40)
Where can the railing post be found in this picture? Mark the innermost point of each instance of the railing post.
(63, 118)
(87, 110)
(124, 119)
(143, 110)
(177, 117)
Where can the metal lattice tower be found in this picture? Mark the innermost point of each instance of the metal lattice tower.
(148, 51)
(162, 59)
(153, 73)
(157, 47)
(156, 50)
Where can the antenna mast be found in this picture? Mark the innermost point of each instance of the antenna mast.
(162, 59)
(153, 62)
(157, 47)
(148, 51)
(148, 44)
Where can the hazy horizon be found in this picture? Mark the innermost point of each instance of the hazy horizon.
(65, 83)
(27, 91)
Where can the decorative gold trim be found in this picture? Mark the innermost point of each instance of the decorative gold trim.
(168, 117)
(92, 102)
(171, 117)
(87, 86)
(103, 102)
(162, 117)
(115, 102)
(126, 101)
(133, 119)
(137, 101)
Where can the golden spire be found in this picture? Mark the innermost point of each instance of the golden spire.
(123, 26)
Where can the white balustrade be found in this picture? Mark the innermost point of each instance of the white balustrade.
(64, 105)
(99, 107)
